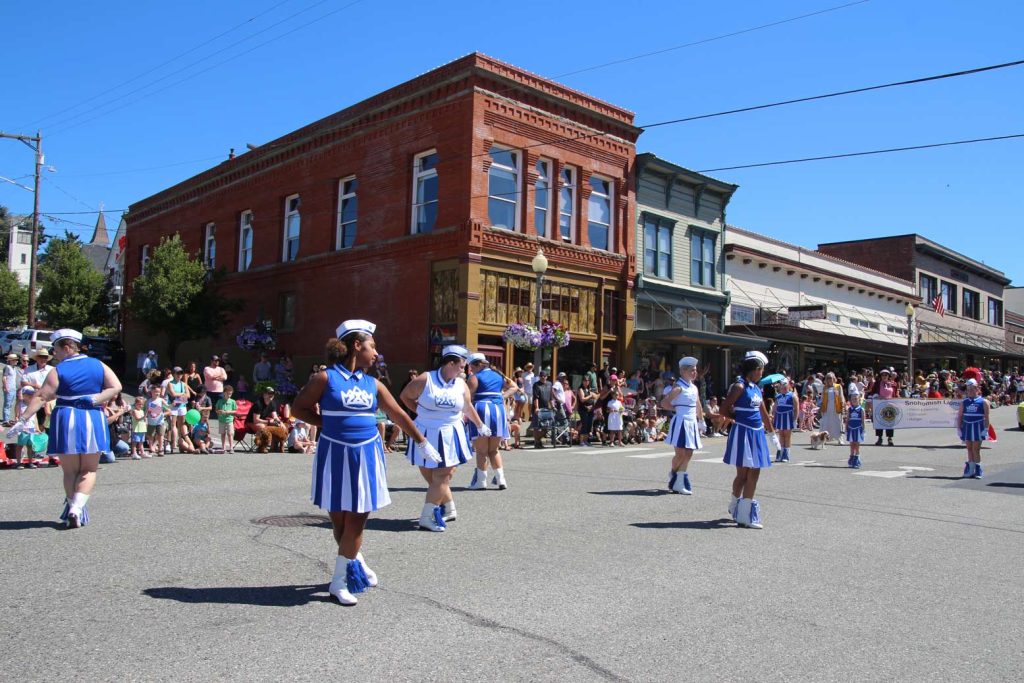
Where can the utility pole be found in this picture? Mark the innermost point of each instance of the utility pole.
(36, 145)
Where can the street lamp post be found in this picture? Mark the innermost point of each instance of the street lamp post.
(910, 341)
(540, 266)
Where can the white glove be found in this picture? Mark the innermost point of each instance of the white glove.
(430, 453)
(17, 428)
(483, 430)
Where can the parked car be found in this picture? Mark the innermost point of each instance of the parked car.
(107, 350)
(7, 338)
(30, 341)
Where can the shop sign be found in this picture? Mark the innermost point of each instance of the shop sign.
(813, 312)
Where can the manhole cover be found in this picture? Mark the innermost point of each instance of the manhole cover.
(294, 520)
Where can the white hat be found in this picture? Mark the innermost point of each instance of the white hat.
(756, 355)
(477, 358)
(350, 326)
(66, 333)
(689, 361)
(854, 392)
(971, 382)
(455, 350)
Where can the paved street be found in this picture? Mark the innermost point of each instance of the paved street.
(585, 569)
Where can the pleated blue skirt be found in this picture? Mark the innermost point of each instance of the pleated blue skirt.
(783, 421)
(684, 433)
(78, 430)
(747, 447)
(974, 431)
(494, 416)
(350, 477)
(855, 434)
(451, 443)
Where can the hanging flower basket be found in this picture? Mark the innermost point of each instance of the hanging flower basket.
(258, 337)
(528, 337)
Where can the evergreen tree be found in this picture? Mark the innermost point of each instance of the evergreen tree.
(13, 300)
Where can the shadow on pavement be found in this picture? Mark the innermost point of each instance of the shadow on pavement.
(264, 596)
(723, 523)
(383, 524)
(938, 476)
(650, 493)
(412, 489)
(21, 524)
(1006, 485)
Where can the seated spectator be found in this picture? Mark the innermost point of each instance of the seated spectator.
(201, 435)
(265, 422)
(298, 438)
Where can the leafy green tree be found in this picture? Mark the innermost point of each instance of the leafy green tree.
(13, 300)
(178, 297)
(71, 292)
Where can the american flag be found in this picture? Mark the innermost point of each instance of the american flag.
(939, 308)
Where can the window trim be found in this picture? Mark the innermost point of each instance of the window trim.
(551, 191)
(611, 210)
(209, 235)
(573, 213)
(516, 202)
(417, 176)
(284, 237)
(660, 223)
(242, 226)
(929, 300)
(697, 231)
(338, 225)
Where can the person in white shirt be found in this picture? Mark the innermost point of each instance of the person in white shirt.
(529, 379)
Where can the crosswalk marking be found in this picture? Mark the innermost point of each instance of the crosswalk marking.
(890, 474)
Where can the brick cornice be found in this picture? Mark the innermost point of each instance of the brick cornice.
(557, 253)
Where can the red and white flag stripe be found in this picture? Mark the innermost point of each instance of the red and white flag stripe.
(939, 308)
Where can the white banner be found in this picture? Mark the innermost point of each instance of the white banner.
(914, 413)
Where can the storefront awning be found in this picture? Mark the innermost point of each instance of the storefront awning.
(811, 337)
(681, 335)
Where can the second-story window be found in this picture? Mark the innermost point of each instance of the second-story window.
(972, 304)
(542, 198)
(503, 189)
(948, 291)
(599, 214)
(424, 192)
(144, 259)
(292, 225)
(567, 203)
(929, 289)
(657, 247)
(995, 312)
(210, 246)
(348, 209)
(702, 258)
(245, 241)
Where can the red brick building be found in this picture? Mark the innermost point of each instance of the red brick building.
(421, 209)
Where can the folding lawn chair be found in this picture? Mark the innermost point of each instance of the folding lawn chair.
(243, 436)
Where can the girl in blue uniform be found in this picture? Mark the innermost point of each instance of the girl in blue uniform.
(78, 426)
(441, 400)
(747, 447)
(785, 414)
(854, 428)
(489, 388)
(972, 418)
(684, 431)
(349, 471)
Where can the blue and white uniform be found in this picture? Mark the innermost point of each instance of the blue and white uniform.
(785, 411)
(490, 404)
(684, 432)
(972, 423)
(77, 425)
(349, 470)
(439, 419)
(747, 445)
(855, 424)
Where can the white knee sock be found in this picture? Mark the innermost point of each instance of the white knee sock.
(449, 507)
(79, 500)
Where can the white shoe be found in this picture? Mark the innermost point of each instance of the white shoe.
(432, 519)
(479, 480)
(748, 514)
(499, 480)
(734, 502)
(679, 482)
(449, 513)
(339, 591)
(371, 576)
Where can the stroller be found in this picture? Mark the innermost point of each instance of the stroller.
(561, 432)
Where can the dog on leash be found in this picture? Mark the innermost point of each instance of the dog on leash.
(818, 440)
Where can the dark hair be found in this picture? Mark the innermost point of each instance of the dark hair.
(451, 358)
(338, 350)
(749, 365)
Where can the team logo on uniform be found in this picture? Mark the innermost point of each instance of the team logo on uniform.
(755, 401)
(356, 397)
(445, 400)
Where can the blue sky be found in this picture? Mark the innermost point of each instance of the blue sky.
(68, 55)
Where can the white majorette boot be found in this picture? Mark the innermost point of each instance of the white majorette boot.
(680, 483)
(499, 479)
(371, 576)
(431, 518)
(339, 583)
(733, 502)
(448, 511)
(479, 480)
(748, 513)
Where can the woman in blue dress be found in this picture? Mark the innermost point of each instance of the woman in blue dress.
(684, 431)
(747, 447)
(349, 471)
(489, 388)
(78, 425)
(785, 414)
(972, 419)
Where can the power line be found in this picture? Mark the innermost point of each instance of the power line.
(861, 154)
(62, 190)
(709, 40)
(141, 170)
(159, 66)
(202, 71)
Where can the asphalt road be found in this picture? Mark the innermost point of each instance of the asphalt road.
(584, 569)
